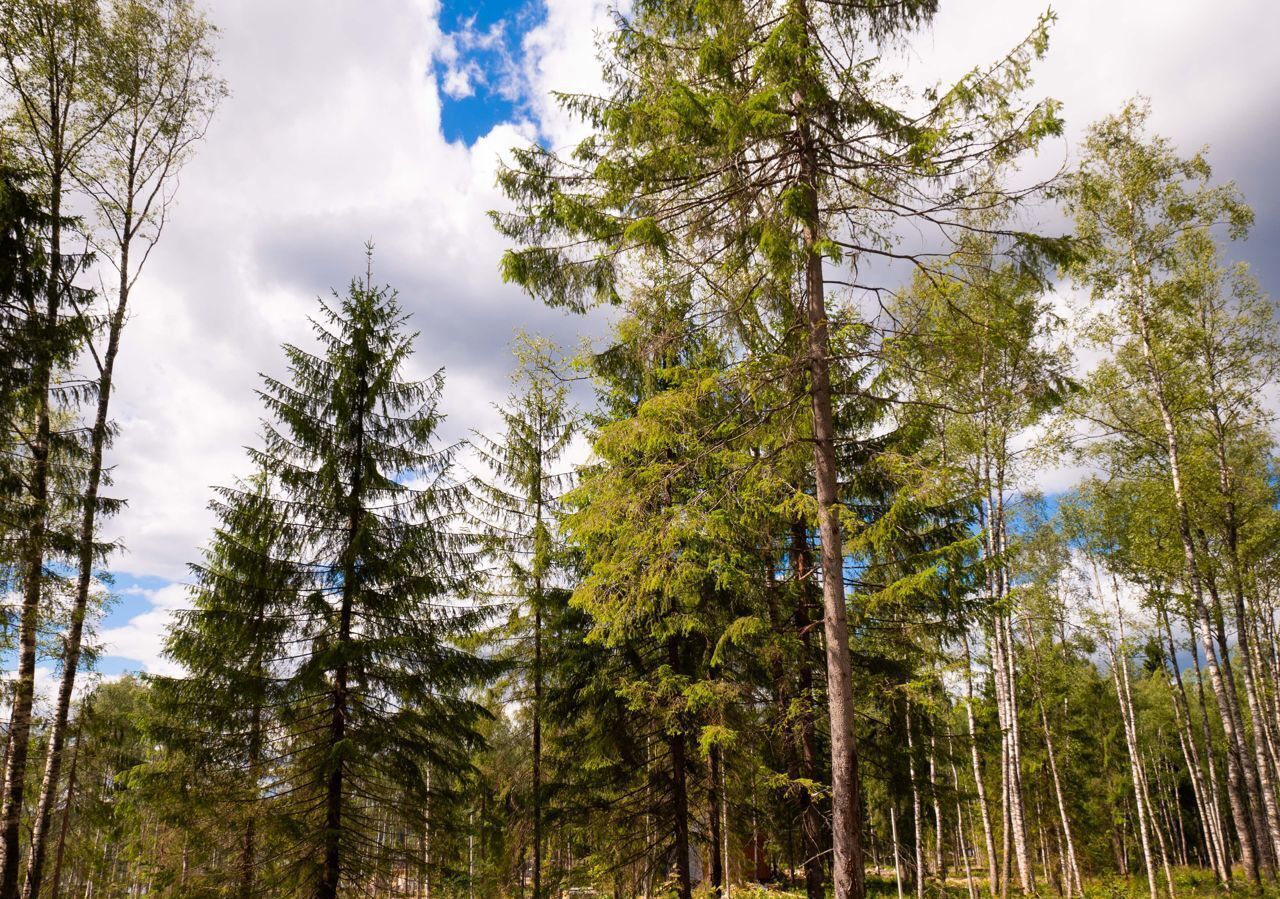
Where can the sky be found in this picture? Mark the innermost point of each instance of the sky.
(383, 120)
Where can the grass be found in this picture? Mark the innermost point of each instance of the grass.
(1189, 883)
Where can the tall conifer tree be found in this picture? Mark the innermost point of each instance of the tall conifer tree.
(370, 685)
(753, 148)
(232, 643)
(519, 506)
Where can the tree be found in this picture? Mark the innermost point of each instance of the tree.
(1136, 203)
(22, 273)
(158, 92)
(46, 53)
(750, 147)
(977, 345)
(670, 561)
(225, 713)
(370, 678)
(22, 267)
(519, 506)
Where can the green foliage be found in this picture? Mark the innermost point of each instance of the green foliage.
(331, 603)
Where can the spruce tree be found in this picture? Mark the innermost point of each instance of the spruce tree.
(519, 505)
(755, 150)
(22, 276)
(361, 594)
(666, 523)
(225, 713)
(22, 262)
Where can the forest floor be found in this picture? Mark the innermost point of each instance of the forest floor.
(1189, 883)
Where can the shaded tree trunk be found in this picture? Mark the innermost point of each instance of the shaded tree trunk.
(810, 814)
(715, 819)
(679, 793)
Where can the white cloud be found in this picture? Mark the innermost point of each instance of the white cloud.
(461, 52)
(333, 135)
(561, 55)
(459, 81)
(141, 640)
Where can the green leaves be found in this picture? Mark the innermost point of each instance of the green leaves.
(645, 232)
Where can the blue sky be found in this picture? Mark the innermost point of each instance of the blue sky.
(130, 598)
(487, 35)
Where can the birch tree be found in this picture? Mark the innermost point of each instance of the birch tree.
(49, 65)
(1135, 202)
(158, 89)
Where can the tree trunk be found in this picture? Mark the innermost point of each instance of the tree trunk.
(846, 797)
(1251, 754)
(1135, 765)
(1244, 646)
(56, 886)
(537, 741)
(962, 844)
(916, 808)
(248, 845)
(810, 814)
(939, 857)
(1142, 795)
(983, 807)
(1206, 793)
(1075, 885)
(716, 797)
(1207, 735)
(897, 854)
(1026, 874)
(1073, 882)
(680, 814)
(331, 874)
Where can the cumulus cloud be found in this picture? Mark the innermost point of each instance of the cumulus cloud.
(141, 640)
(561, 55)
(333, 135)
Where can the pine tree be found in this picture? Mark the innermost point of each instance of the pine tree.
(22, 276)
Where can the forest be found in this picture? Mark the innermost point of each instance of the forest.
(755, 595)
